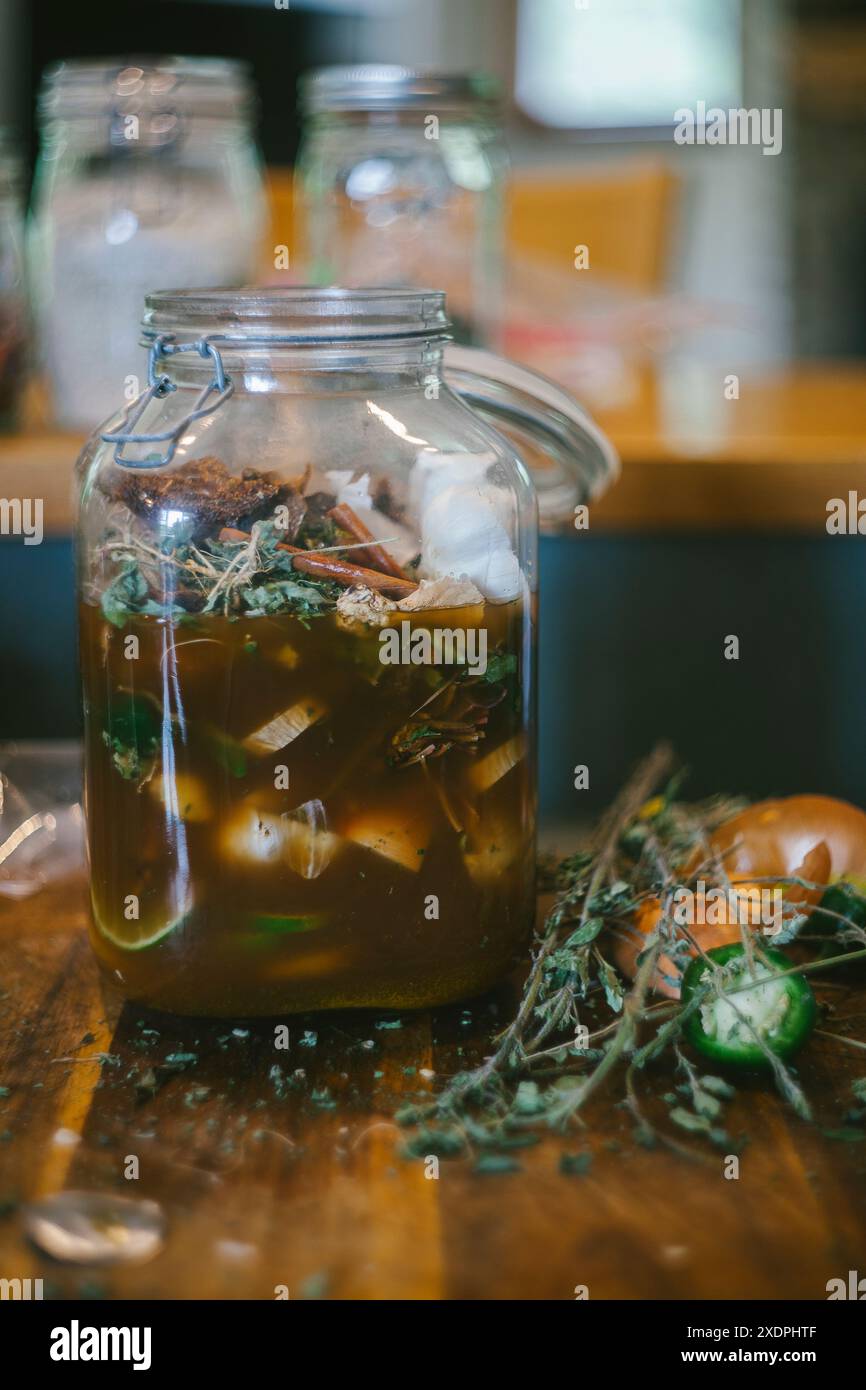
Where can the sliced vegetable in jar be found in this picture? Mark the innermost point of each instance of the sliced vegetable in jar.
(285, 727)
(493, 766)
(134, 934)
(747, 1005)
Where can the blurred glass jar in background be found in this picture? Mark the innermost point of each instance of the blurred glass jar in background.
(13, 301)
(400, 183)
(147, 175)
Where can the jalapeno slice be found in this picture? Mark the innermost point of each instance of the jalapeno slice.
(780, 1011)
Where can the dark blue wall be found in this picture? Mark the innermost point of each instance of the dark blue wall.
(632, 634)
(38, 671)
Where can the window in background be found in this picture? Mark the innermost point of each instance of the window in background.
(623, 64)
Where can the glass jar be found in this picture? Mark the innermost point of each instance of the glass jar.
(147, 174)
(13, 301)
(307, 603)
(400, 176)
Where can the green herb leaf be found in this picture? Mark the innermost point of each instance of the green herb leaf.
(705, 1104)
(586, 933)
(496, 1163)
(287, 596)
(576, 1165)
(686, 1119)
(125, 595)
(528, 1100)
(499, 666)
(441, 1143)
(132, 734)
(846, 1135)
(611, 984)
(718, 1087)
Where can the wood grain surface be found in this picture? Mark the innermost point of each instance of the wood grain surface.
(268, 1180)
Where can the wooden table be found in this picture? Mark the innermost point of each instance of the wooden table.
(264, 1186)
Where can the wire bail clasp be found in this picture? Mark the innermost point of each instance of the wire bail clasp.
(159, 385)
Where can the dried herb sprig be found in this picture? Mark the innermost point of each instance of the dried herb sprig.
(179, 578)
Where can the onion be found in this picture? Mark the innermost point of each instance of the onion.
(816, 838)
(780, 839)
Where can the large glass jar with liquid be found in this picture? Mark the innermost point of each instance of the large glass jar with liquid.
(307, 613)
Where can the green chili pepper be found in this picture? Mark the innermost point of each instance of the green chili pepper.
(780, 1011)
(847, 899)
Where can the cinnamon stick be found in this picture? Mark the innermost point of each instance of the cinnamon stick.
(375, 555)
(331, 567)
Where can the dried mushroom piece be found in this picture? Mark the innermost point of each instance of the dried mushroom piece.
(205, 492)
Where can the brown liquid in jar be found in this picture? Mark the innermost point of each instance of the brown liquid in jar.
(372, 879)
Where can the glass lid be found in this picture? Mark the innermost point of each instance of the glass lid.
(569, 458)
(391, 87)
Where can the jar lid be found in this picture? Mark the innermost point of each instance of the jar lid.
(143, 86)
(296, 315)
(390, 87)
(568, 457)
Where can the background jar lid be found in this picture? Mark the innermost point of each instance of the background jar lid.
(192, 87)
(390, 87)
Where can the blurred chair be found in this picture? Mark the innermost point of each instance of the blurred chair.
(622, 213)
